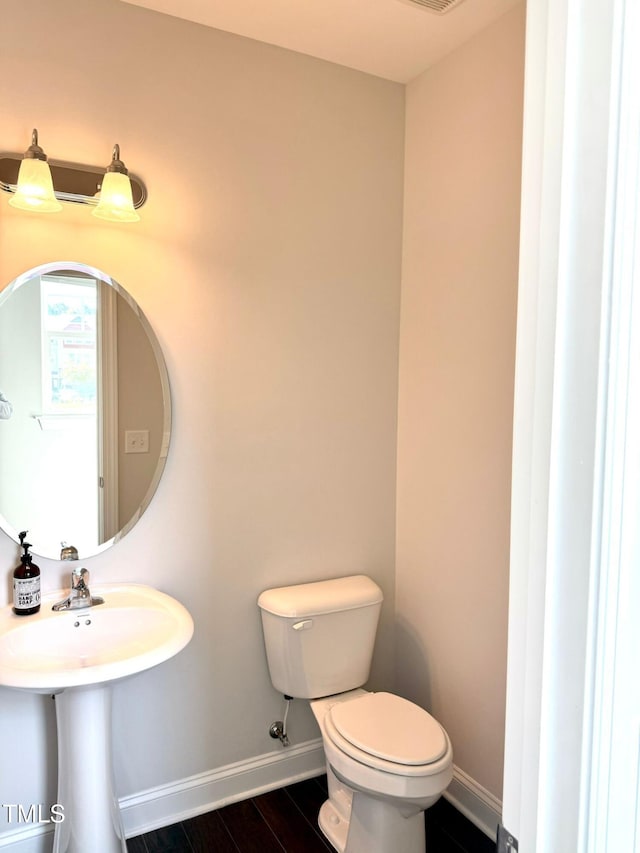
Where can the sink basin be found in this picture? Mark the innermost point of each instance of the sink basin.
(136, 628)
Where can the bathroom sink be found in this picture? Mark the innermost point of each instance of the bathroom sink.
(77, 654)
(135, 629)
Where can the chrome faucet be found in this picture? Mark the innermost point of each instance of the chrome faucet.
(80, 595)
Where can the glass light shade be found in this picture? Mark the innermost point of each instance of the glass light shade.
(34, 190)
(116, 200)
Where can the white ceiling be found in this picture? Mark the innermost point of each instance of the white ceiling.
(395, 39)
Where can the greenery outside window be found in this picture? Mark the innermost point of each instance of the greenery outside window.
(69, 368)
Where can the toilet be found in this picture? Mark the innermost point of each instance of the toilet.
(387, 759)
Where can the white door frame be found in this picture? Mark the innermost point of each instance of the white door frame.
(107, 350)
(576, 455)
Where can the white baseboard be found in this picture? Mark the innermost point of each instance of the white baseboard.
(167, 804)
(27, 839)
(475, 802)
(187, 798)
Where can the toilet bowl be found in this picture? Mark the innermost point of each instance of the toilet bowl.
(387, 761)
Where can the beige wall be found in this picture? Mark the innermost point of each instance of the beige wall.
(462, 172)
(268, 262)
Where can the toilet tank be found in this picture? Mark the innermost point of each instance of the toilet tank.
(319, 636)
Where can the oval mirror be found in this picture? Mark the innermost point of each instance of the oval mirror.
(87, 435)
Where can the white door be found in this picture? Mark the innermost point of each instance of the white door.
(573, 695)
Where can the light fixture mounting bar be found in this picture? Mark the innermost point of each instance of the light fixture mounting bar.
(71, 181)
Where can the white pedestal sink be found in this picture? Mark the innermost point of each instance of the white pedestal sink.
(76, 654)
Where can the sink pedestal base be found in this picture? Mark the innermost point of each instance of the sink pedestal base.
(92, 820)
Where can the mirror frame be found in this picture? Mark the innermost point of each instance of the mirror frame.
(94, 272)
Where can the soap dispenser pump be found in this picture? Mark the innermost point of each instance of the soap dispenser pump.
(26, 582)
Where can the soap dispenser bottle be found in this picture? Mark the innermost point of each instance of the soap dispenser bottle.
(26, 582)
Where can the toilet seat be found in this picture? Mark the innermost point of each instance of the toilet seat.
(388, 733)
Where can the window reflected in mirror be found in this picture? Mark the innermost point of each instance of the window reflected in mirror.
(68, 320)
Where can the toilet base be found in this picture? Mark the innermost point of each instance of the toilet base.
(334, 827)
(373, 826)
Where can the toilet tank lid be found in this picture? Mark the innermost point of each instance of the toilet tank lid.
(313, 599)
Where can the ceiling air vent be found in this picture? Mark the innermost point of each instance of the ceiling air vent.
(438, 6)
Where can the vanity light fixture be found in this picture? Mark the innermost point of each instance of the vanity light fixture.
(116, 199)
(38, 184)
(34, 190)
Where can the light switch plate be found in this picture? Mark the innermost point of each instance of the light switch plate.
(136, 441)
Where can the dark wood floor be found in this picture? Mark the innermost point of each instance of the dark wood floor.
(286, 819)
